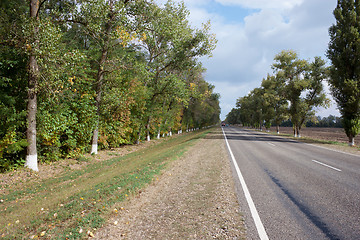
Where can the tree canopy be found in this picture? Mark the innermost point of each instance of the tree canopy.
(295, 89)
(98, 74)
(344, 53)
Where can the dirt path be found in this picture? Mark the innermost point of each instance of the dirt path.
(193, 199)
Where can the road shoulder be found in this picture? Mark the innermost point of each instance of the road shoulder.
(193, 198)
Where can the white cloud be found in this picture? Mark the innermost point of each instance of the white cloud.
(262, 4)
(246, 49)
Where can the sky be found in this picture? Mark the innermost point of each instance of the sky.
(251, 32)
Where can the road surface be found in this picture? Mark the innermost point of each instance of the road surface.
(300, 191)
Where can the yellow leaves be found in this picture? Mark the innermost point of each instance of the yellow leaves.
(71, 80)
(192, 86)
(28, 47)
(143, 37)
(124, 36)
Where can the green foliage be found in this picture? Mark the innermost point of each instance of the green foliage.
(124, 66)
(300, 76)
(343, 51)
(294, 91)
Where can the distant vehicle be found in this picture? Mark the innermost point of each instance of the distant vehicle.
(223, 124)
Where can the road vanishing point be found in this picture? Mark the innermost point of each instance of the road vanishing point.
(293, 190)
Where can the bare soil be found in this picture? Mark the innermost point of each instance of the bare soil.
(328, 134)
(193, 199)
(311, 134)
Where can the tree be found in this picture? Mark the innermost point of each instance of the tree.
(103, 24)
(233, 117)
(171, 47)
(344, 53)
(13, 84)
(275, 103)
(33, 73)
(251, 108)
(290, 70)
(300, 77)
(315, 95)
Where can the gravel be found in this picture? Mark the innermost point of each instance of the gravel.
(194, 198)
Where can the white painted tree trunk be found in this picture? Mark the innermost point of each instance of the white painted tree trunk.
(351, 141)
(94, 148)
(94, 141)
(31, 162)
(33, 75)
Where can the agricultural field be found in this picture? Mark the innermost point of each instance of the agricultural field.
(327, 134)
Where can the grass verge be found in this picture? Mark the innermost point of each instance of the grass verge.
(73, 205)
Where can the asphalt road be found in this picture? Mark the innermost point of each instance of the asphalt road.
(300, 191)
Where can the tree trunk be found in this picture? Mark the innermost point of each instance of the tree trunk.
(148, 130)
(351, 141)
(298, 132)
(278, 129)
(158, 135)
(294, 129)
(139, 136)
(100, 77)
(31, 156)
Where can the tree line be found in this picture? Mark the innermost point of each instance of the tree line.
(77, 75)
(292, 92)
(295, 88)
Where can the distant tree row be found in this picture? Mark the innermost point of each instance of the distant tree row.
(296, 87)
(76, 76)
(326, 122)
(292, 93)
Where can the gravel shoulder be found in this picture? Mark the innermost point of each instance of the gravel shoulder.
(194, 198)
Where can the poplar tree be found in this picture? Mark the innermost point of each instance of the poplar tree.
(344, 53)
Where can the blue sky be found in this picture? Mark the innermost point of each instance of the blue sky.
(251, 32)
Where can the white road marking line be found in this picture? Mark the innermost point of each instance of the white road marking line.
(271, 144)
(255, 215)
(336, 169)
(355, 155)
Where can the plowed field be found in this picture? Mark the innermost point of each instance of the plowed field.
(329, 134)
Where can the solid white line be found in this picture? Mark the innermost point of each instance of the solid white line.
(255, 215)
(326, 165)
(271, 144)
(334, 150)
